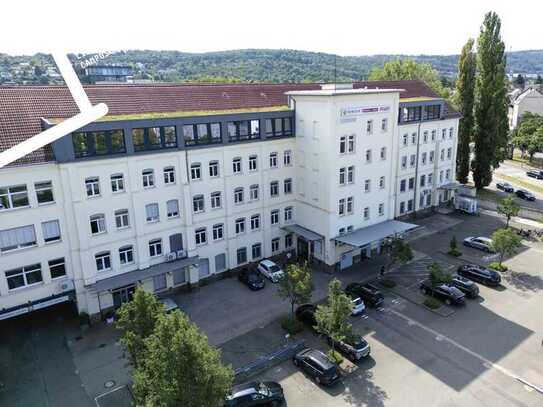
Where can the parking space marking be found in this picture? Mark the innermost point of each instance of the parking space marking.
(107, 393)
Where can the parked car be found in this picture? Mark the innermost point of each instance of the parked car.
(525, 194)
(505, 186)
(251, 278)
(306, 313)
(169, 304)
(354, 347)
(468, 287)
(481, 243)
(358, 306)
(270, 270)
(256, 394)
(480, 274)
(317, 365)
(535, 174)
(366, 292)
(448, 293)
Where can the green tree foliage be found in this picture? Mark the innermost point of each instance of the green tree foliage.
(409, 69)
(528, 136)
(490, 108)
(136, 320)
(296, 286)
(180, 368)
(508, 207)
(437, 275)
(333, 318)
(505, 242)
(397, 251)
(520, 81)
(539, 80)
(465, 86)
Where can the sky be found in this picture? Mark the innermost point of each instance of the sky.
(341, 27)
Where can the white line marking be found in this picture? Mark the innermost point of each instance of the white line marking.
(108, 392)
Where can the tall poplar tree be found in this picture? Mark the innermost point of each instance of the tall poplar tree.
(490, 109)
(465, 86)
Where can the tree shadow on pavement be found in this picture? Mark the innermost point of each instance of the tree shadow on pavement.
(360, 389)
(523, 281)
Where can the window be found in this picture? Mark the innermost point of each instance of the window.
(411, 114)
(384, 125)
(410, 205)
(449, 153)
(117, 183)
(405, 139)
(255, 222)
(404, 162)
(172, 208)
(24, 276)
(441, 176)
(341, 207)
(169, 175)
(240, 226)
(155, 247)
(274, 188)
(421, 200)
(195, 171)
(202, 133)
(121, 219)
(368, 156)
(425, 136)
(278, 127)
(350, 205)
(343, 144)
(442, 154)
(243, 130)
(402, 185)
(238, 195)
(51, 231)
(274, 217)
(253, 192)
(381, 182)
(412, 160)
(350, 143)
(433, 135)
(381, 209)
(103, 261)
(151, 213)
(236, 165)
(423, 180)
(451, 132)
(367, 185)
(15, 238)
(342, 176)
(402, 207)
(341, 231)
(287, 158)
(90, 143)
(57, 268)
(431, 157)
(98, 224)
(213, 168)
(126, 255)
(275, 244)
(413, 138)
(430, 176)
(288, 214)
(429, 199)
(216, 200)
(200, 236)
(423, 158)
(257, 251)
(148, 177)
(92, 185)
(241, 255)
(443, 134)
(447, 175)
(198, 204)
(218, 231)
(273, 160)
(288, 241)
(383, 153)
(253, 163)
(411, 183)
(369, 127)
(432, 112)
(44, 192)
(287, 186)
(366, 213)
(154, 138)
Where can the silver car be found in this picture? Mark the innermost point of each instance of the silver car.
(480, 243)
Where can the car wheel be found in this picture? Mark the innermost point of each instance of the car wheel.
(296, 363)
(448, 302)
(317, 380)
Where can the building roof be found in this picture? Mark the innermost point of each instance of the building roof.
(22, 107)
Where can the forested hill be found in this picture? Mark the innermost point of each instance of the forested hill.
(251, 65)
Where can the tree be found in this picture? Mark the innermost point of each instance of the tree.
(180, 368)
(527, 136)
(505, 242)
(334, 316)
(437, 275)
(398, 251)
(539, 80)
(520, 81)
(490, 106)
(465, 87)
(296, 285)
(408, 69)
(137, 319)
(508, 207)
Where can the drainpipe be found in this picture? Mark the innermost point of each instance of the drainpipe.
(415, 189)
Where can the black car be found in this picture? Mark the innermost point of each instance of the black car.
(535, 174)
(480, 274)
(468, 287)
(366, 292)
(353, 346)
(252, 279)
(448, 293)
(256, 394)
(317, 365)
(505, 186)
(524, 194)
(306, 313)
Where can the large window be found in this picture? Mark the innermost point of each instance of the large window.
(432, 112)
(241, 255)
(411, 114)
(91, 143)
(218, 231)
(92, 185)
(200, 236)
(57, 268)
(243, 130)
(279, 127)
(13, 197)
(44, 192)
(24, 276)
(155, 247)
(240, 226)
(198, 204)
(98, 224)
(202, 133)
(172, 208)
(216, 200)
(126, 255)
(151, 213)
(103, 261)
(121, 218)
(148, 178)
(51, 231)
(154, 138)
(11, 239)
(117, 183)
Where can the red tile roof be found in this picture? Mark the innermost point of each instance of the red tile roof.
(21, 107)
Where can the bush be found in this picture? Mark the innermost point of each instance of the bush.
(432, 303)
(388, 283)
(497, 266)
(335, 356)
(292, 326)
(454, 252)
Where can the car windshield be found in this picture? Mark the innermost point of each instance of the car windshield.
(253, 277)
(274, 268)
(357, 302)
(356, 341)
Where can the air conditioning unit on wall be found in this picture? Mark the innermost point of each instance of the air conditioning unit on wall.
(67, 285)
(171, 256)
(181, 254)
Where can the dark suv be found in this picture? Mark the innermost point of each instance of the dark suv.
(468, 287)
(306, 313)
(448, 293)
(256, 394)
(251, 278)
(366, 292)
(480, 274)
(317, 365)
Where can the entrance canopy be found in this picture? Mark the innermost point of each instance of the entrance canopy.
(364, 236)
(451, 186)
(305, 233)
